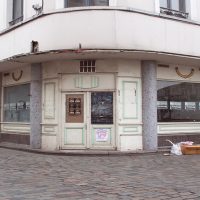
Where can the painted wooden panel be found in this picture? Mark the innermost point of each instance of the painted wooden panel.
(84, 82)
(130, 110)
(130, 143)
(87, 81)
(50, 129)
(172, 128)
(49, 100)
(16, 127)
(130, 129)
(49, 142)
(74, 136)
(129, 100)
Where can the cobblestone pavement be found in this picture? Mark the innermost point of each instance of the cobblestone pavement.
(25, 176)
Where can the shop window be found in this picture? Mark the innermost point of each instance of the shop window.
(80, 3)
(102, 108)
(174, 7)
(17, 103)
(178, 102)
(17, 12)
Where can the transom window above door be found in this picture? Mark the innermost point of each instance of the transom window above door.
(175, 8)
(80, 3)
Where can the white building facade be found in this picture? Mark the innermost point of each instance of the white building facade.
(99, 74)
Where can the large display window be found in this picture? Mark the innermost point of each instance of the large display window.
(178, 101)
(17, 103)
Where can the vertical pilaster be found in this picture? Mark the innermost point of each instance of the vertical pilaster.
(35, 106)
(149, 105)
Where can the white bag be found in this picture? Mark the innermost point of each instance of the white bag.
(176, 148)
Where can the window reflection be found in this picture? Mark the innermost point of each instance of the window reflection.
(178, 101)
(17, 103)
(102, 108)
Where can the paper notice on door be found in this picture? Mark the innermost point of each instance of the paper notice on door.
(101, 135)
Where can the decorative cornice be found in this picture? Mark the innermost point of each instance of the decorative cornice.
(17, 78)
(184, 75)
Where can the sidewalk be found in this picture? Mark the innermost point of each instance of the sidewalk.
(30, 176)
(26, 148)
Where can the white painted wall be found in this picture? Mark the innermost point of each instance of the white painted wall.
(28, 10)
(3, 15)
(193, 7)
(121, 30)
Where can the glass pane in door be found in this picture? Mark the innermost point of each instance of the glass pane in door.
(102, 108)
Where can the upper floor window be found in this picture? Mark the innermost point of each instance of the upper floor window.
(17, 11)
(174, 7)
(79, 3)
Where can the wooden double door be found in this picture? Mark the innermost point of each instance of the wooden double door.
(88, 120)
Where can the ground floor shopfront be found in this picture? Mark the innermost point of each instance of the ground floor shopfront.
(103, 104)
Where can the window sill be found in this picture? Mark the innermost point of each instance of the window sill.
(13, 26)
(16, 21)
(174, 13)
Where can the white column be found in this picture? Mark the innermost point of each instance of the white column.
(59, 4)
(157, 6)
(192, 8)
(113, 3)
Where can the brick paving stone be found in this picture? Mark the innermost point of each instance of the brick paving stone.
(28, 176)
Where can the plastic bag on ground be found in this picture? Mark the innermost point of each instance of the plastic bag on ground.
(176, 148)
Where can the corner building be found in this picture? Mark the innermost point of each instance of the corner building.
(99, 74)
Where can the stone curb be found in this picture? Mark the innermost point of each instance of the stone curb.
(83, 152)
